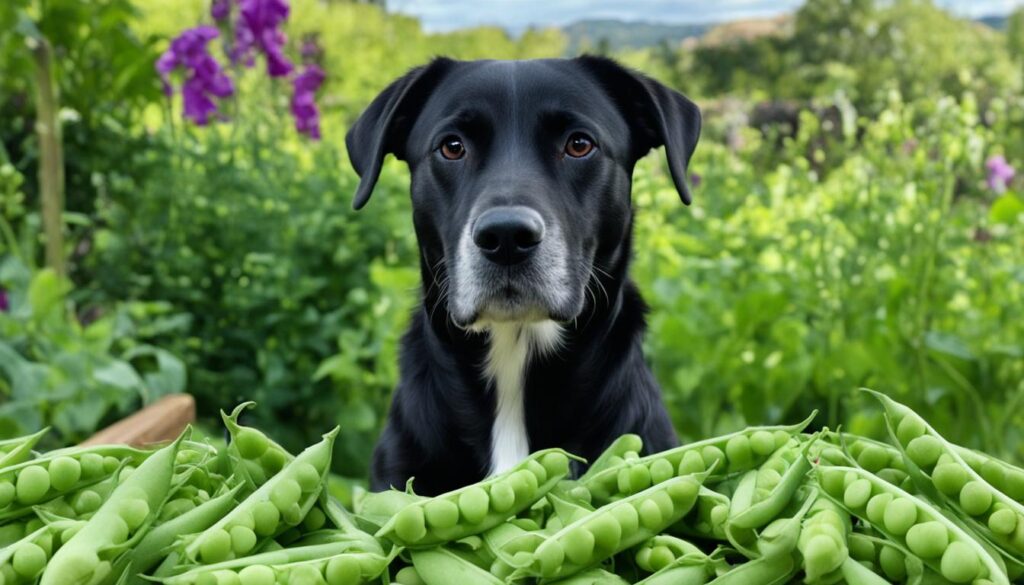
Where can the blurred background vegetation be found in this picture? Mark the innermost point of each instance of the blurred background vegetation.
(857, 221)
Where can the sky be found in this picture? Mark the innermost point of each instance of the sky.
(444, 15)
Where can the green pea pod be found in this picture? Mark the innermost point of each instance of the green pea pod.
(331, 563)
(994, 469)
(19, 449)
(823, 541)
(595, 576)
(40, 480)
(610, 530)
(440, 566)
(690, 569)
(743, 539)
(565, 509)
(730, 454)
(119, 523)
(913, 570)
(375, 509)
(478, 507)
(707, 519)
(256, 457)
(278, 505)
(898, 516)
(855, 573)
(154, 546)
(762, 511)
(614, 455)
(940, 473)
(780, 536)
(764, 571)
(872, 455)
(34, 549)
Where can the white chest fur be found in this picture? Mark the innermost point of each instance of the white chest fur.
(513, 345)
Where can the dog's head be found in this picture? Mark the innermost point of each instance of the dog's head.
(521, 175)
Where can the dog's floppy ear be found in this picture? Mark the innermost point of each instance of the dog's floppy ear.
(383, 126)
(657, 115)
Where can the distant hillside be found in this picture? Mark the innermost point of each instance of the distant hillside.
(613, 34)
(619, 34)
(996, 22)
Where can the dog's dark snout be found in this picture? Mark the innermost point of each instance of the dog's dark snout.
(508, 235)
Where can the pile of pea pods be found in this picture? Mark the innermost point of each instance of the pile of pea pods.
(766, 505)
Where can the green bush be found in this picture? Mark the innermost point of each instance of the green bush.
(57, 370)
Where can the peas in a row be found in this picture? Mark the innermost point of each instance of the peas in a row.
(479, 507)
(729, 454)
(913, 523)
(39, 480)
(611, 529)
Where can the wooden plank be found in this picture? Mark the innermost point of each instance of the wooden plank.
(159, 422)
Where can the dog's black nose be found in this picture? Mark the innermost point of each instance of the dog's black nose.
(508, 235)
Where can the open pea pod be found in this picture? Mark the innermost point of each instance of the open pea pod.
(707, 518)
(337, 563)
(594, 576)
(663, 551)
(614, 455)
(90, 555)
(894, 562)
(689, 569)
(440, 566)
(770, 491)
(155, 545)
(19, 449)
(855, 573)
(478, 507)
(610, 529)
(939, 471)
(730, 455)
(782, 534)
(912, 522)
(773, 570)
(255, 456)
(282, 502)
(34, 550)
(823, 542)
(1007, 478)
(40, 480)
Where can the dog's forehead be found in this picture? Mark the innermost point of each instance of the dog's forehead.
(521, 87)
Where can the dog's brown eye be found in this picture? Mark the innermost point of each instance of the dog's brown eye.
(452, 148)
(579, 145)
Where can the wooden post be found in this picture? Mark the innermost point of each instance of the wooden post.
(51, 154)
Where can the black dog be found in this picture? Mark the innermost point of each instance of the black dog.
(529, 333)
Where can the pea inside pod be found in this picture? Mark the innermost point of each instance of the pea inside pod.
(477, 508)
(917, 526)
(610, 529)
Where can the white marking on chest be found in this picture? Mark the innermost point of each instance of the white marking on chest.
(512, 347)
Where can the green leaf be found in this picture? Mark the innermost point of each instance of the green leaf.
(1006, 209)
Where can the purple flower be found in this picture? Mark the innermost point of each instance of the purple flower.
(1000, 173)
(220, 10)
(258, 30)
(310, 49)
(206, 79)
(304, 110)
(5, 303)
(695, 180)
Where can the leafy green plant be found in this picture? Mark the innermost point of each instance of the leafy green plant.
(57, 371)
